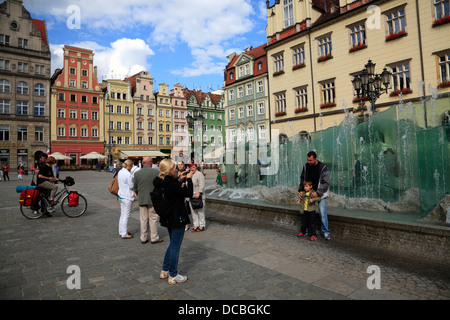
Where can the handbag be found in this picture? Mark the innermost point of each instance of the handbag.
(114, 186)
(196, 203)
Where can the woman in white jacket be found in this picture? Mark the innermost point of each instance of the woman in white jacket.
(126, 198)
(198, 215)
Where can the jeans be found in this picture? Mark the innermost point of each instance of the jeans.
(323, 216)
(173, 251)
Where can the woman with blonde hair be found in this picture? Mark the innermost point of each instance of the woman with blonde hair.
(177, 217)
(126, 198)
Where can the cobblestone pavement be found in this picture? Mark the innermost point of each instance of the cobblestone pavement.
(227, 261)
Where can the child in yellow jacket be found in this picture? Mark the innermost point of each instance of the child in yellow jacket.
(308, 211)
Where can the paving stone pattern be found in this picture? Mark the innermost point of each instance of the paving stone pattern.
(227, 261)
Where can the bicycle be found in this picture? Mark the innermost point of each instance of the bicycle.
(43, 207)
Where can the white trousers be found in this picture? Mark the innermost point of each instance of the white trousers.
(198, 216)
(125, 212)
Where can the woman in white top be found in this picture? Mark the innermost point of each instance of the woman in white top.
(126, 198)
(198, 215)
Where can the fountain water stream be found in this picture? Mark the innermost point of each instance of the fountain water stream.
(398, 160)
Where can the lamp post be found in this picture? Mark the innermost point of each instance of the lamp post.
(190, 121)
(371, 85)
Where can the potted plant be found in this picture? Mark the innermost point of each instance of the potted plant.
(401, 91)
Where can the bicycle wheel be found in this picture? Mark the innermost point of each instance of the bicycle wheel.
(74, 212)
(35, 212)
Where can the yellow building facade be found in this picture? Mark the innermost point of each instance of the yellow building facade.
(316, 48)
(164, 120)
(119, 117)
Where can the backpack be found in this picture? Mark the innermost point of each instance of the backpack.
(114, 186)
(161, 203)
(73, 199)
(29, 197)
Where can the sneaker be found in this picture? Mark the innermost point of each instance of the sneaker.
(178, 279)
(313, 238)
(327, 236)
(163, 274)
(300, 235)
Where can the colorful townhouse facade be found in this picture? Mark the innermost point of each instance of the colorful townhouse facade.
(180, 139)
(77, 113)
(164, 120)
(208, 110)
(145, 107)
(119, 118)
(316, 48)
(247, 116)
(25, 70)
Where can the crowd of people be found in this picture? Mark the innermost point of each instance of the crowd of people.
(184, 186)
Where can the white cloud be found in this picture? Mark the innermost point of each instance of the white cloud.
(207, 27)
(123, 58)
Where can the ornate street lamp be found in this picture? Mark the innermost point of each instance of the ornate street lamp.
(371, 85)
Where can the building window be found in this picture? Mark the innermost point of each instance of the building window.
(94, 133)
(73, 98)
(23, 43)
(325, 46)
(39, 109)
(4, 39)
(127, 110)
(22, 107)
(72, 83)
(442, 8)
(301, 98)
(262, 131)
(261, 109)
(84, 84)
(298, 55)
(72, 71)
(280, 102)
(119, 125)
(5, 64)
(396, 22)
(249, 89)
(240, 112)
(250, 134)
(231, 94)
(39, 70)
(61, 114)
(127, 126)
(260, 86)
(4, 133)
(278, 63)
(232, 112)
(401, 77)
(5, 87)
(22, 133)
(250, 111)
(139, 140)
(328, 93)
(72, 114)
(139, 125)
(72, 132)
(288, 13)
(94, 115)
(84, 115)
(22, 88)
(84, 133)
(39, 90)
(357, 37)
(5, 106)
(61, 132)
(84, 99)
(39, 134)
(84, 73)
(444, 67)
(240, 92)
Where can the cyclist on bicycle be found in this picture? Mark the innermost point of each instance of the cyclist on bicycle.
(46, 180)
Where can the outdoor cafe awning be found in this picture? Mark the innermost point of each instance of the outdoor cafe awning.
(142, 153)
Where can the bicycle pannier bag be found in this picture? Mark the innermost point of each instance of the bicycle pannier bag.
(29, 197)
(73, 199)
(114, 186)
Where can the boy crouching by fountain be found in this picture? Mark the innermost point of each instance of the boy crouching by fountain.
(308, 211)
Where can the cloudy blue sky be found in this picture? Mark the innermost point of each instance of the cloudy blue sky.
(183, 41)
